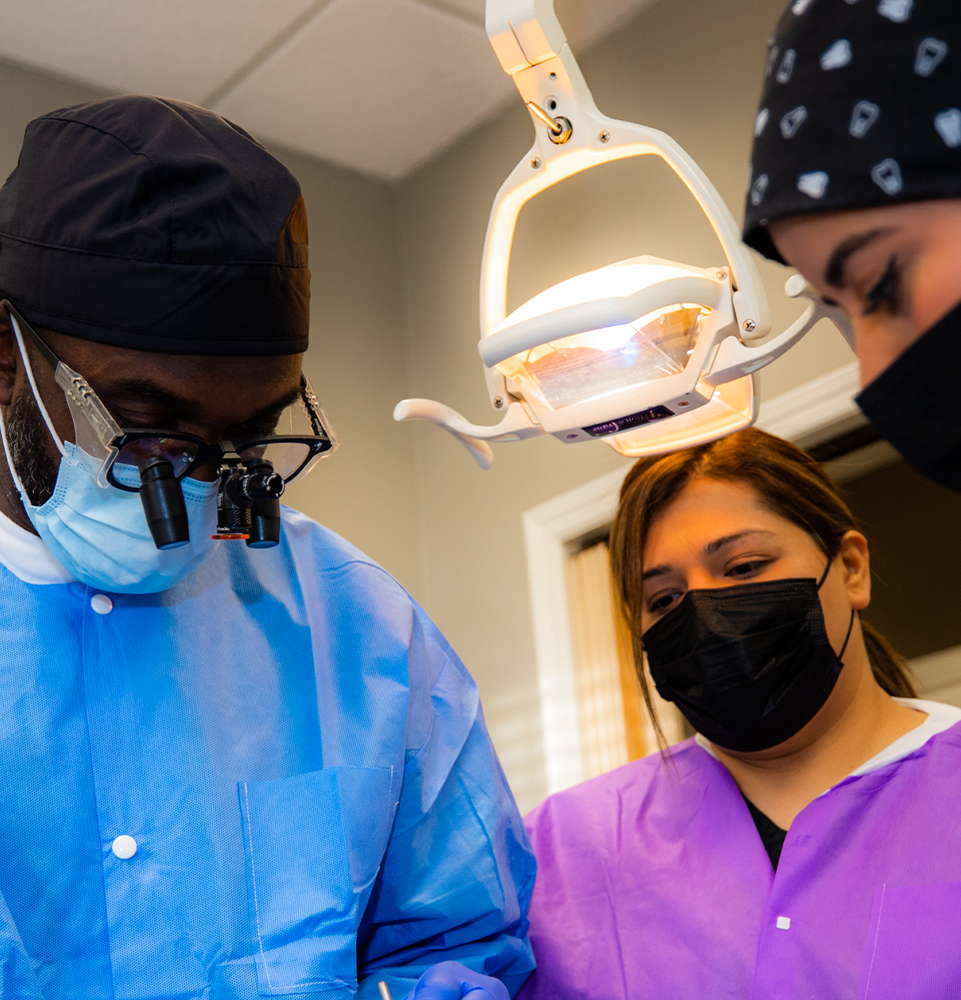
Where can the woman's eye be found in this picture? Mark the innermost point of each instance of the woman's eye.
(662, 603)
(886, 294)
(745, 569)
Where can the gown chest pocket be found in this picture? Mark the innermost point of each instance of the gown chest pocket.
(913, 949)
(313, 846)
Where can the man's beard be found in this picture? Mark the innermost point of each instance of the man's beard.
(28, 440)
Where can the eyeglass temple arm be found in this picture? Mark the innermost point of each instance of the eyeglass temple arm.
(35, 337)
(318, 419)
(76, 388)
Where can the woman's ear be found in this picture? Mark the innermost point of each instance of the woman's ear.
(9, 358)
(856, 560)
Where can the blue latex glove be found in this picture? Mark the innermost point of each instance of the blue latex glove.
(452, 981)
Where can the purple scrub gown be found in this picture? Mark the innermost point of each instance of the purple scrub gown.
(653, 883)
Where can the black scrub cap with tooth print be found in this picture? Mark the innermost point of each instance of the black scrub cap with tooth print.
(861, 107)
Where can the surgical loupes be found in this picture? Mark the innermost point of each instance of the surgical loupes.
(248, 502)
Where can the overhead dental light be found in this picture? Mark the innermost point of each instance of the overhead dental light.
(647, 355)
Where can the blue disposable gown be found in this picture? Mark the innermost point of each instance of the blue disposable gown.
(302, 761)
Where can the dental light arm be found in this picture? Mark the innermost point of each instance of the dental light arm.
(596, 139)
(735, 359)
(571, 135)
(523, 33)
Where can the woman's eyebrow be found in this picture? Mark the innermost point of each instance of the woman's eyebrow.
(846, 249)
(708, 550)
(655, 571)
(719, 543)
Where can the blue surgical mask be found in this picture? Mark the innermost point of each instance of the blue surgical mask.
(100, 534)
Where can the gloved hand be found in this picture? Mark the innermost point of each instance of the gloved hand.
(452, 981)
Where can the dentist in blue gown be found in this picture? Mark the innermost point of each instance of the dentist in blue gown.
(225, 772)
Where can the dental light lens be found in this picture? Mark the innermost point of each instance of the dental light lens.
(590, 365)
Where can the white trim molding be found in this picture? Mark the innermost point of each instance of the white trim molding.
(814, 412)
(549, 529)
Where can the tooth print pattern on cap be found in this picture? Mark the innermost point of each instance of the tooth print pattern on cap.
(864, 115)
(792, 121)
(865, 100)
(837, 56)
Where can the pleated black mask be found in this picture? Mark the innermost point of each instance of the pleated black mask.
(915, 403)
(748, 666)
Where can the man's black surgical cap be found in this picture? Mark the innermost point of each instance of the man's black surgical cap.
(147, 223)
(861, 107)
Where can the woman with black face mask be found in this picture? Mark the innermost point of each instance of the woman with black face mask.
(807, 841)
(856, 181)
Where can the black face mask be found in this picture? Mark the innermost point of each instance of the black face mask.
(915, 403)
(748, 666)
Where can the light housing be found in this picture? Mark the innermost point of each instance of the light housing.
(630, 344)
(643, 318)
(646, 355)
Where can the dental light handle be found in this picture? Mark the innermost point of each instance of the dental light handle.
(515, 426)
(735, 359)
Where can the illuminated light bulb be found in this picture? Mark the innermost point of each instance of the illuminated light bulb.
(589, 365)
(608, 338)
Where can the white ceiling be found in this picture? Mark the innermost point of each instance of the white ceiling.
(376, 85)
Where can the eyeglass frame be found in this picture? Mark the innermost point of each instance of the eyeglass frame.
(113, 437)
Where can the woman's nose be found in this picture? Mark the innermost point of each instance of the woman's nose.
(701, 578)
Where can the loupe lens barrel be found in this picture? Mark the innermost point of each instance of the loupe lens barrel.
(264, 486)
(264, 524)
(163, 504)
(247, 488)
(251, 495)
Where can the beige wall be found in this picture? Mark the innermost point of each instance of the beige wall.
(395, 314)
(357, 365)
(690, 67)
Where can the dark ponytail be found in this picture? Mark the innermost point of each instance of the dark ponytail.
(888, 666)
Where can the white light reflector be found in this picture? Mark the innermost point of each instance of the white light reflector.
(590, 365)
